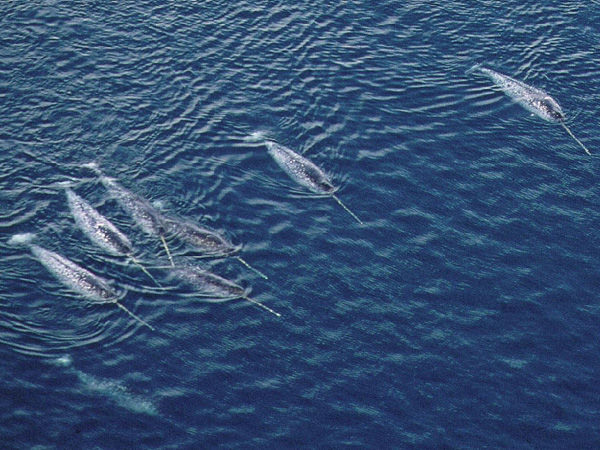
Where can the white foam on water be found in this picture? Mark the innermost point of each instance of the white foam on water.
(91, 165)
(63, 361)
(21, 239)
(159, 204)
(65, 184)
(256, 136)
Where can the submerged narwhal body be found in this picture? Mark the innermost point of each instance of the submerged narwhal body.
(144, 215)
(209, 242)
(534, 100)
(100, 230)
(112, 389)
(213, 287)
(304, 172)
(80, 280)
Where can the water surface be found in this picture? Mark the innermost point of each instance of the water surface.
(463, 314)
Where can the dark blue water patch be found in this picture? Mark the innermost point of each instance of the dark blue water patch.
(463, 314)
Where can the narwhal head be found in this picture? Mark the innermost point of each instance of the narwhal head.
(552, 109)
(325, 186)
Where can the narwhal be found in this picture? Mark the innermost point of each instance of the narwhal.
(214, 287)
(81, 280)
(531, 98)
(147, 217)
(101, 231)
(305, 173)
(112, 389)
(209, 242)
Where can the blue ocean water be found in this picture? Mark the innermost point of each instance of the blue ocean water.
(462, 315)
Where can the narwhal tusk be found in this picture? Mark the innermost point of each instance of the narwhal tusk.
(139, 264)
(143, 322)
(162, 238)
(576, 140)
(262, 306)
(250, 267)
(347, 209)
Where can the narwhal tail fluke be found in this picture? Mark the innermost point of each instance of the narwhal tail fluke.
(347, 209)
(576, 140)
(243, 261)
(162, 238)
(473, 69)
(139, 264)
(139, 319)
(257, 303)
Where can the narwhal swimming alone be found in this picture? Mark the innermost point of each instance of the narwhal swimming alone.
(305, 172)
(100, 230)
(81, 280)
(145, 215)
(113, 389)
(213, 287)
(531, 98)
(209, 242)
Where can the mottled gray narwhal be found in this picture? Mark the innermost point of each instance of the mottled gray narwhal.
(531, 98)
(81, 280)
(305, 173)
(100, 230)
(209, 242)
(214, 287)
(147, 217)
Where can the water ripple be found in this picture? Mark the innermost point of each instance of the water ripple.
(466, 301)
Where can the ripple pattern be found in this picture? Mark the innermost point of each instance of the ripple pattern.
(462, 315)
